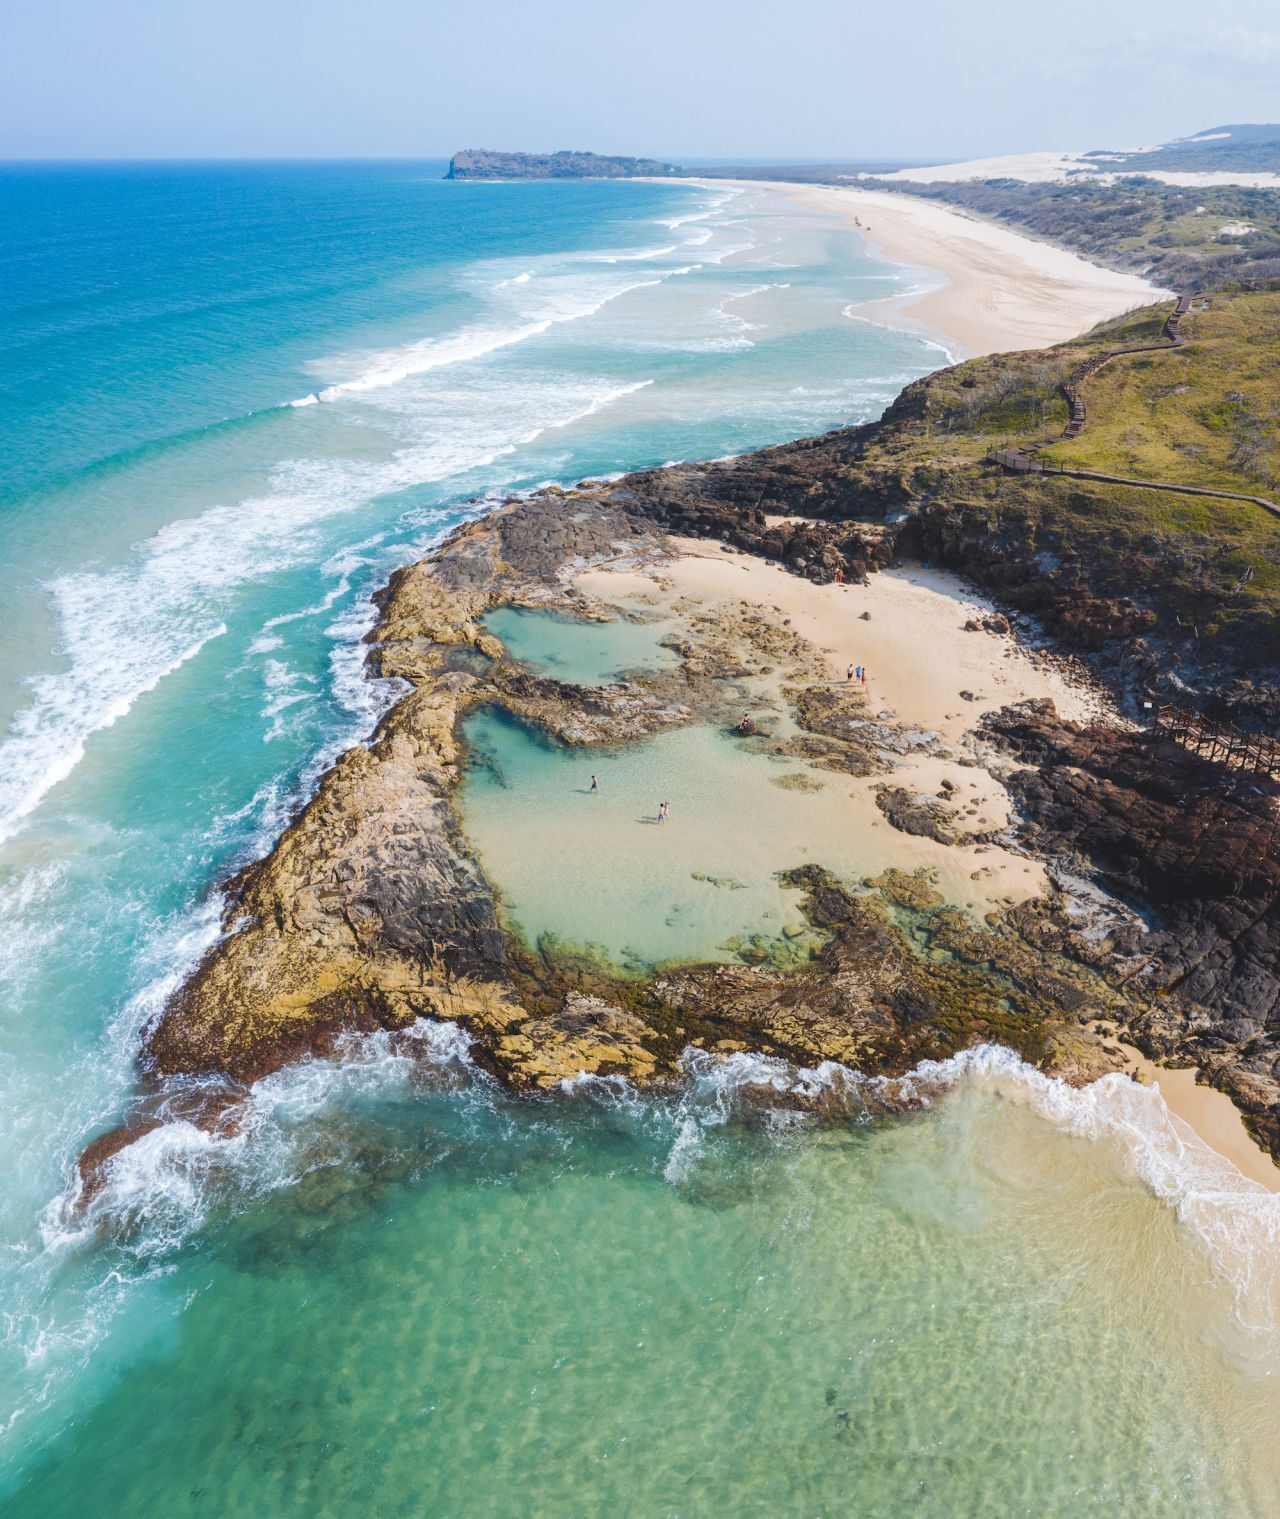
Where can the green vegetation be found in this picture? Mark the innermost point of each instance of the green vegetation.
(1207, 414)
(1253, 147)
(1184, 239)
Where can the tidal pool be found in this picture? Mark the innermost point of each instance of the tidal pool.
(578, 651)
(598, 868)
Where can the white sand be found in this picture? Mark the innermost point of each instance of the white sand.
(1209, 1114)
(920, 658)
(1059, 168)
(997, 291)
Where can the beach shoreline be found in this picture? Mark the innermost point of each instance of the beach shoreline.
(944, 816)
(999, 290)
(911, 615)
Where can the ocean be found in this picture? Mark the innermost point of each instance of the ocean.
(232, 399)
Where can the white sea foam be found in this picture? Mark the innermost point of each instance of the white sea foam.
(627, 258)
(25, 900)
(123, 627)
(857, 313)
(285, 688)
(124, 630)
(165, 1185)
(160, 1188)
(561, 299)
(1233, 1219)
(47, 739)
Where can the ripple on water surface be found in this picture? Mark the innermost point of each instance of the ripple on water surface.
(585, 653)
(525, 1310)
(599, 868)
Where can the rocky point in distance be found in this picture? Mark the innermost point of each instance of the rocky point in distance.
(485, 163)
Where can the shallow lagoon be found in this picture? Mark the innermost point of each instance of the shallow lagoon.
(600, 869)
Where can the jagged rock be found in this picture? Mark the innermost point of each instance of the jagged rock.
(371, 911)
(1196, 844)
(918, 815)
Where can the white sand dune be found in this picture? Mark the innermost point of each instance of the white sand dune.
(1051, 168)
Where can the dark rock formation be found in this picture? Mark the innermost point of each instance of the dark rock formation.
(1194, 845)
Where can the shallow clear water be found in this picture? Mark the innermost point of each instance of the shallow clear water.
(466, 1305)
(233, 398)
(583, 653)
(599, 868)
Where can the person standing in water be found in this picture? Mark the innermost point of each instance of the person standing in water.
(848, 674)
(595, 784)
(862, 674)
(663, 808)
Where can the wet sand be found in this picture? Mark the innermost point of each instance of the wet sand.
(920, 660)
(994, 289)
(1210, 1115)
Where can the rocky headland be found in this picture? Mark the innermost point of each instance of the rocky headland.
(487, 163)
(1158, 917)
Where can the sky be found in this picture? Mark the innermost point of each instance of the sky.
(808, 79)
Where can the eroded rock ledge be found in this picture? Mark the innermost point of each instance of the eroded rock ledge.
(372, 911)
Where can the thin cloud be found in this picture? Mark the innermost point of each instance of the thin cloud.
(1247, 46)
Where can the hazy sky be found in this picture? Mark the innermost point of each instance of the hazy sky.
(807, 78)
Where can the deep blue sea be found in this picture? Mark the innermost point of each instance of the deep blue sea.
(232, 399)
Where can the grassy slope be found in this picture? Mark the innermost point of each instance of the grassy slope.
(1205, 414)
(1213, 566)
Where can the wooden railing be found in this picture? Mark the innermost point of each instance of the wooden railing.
(1024, 458)
(1224, 743)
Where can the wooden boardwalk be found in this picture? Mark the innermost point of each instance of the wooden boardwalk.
(1223, 743)
(1022, 461)
(1025, 460)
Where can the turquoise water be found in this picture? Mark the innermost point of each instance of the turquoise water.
(463, 1305)
(233, 398)
(584, 653)
(598, 868)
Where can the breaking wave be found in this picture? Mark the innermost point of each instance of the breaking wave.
(161, 1187)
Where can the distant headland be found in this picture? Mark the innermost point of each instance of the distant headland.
(484, 163)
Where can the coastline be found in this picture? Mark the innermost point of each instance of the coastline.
(1000, 291)
(914, 611)
(916, 810)
(944, 684)
(1209, 1114)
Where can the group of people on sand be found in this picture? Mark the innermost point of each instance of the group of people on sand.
(664, 808)
(856, 674)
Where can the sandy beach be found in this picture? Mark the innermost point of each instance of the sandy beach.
(982, 288)
(908, 627)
